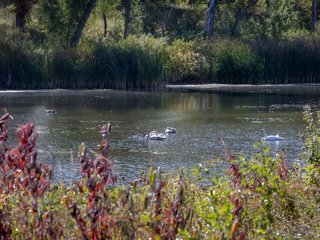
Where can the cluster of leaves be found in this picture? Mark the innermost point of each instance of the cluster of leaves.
(312, 146)
(22, 174)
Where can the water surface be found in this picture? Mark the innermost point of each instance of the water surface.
(203, 121)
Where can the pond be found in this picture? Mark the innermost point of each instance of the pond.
(204, 120)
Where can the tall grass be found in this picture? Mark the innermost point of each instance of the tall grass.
(135, 63)
(251, 62)
(291, 61)
(234, 62)
(19, 69)
(148, 62)
(128, 64)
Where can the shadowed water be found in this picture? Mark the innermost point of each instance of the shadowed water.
(202, 120)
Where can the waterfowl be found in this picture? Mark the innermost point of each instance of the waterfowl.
(170, 130)
(154, 136)
(50, 111)
(270, 138)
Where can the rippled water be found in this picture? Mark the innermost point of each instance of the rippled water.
(202, 120)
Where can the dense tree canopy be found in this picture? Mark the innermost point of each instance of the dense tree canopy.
(91, 42)
(63, 21)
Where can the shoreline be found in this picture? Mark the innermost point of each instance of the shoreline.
(310, 88)
(299, 88)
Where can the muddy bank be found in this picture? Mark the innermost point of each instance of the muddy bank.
(244, 88)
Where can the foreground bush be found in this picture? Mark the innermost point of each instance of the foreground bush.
(257, 197)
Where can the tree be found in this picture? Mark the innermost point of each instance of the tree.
(283, 18)
(210, 18)
(127, 17)
(82, 22)
(242, 9)
(314, 14)
(158, 15)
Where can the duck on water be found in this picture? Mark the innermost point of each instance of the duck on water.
(170, 130)
(270, 138)
(154, 135)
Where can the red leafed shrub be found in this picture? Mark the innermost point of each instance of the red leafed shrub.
(21, 174)
(20, 169)
(97, 174)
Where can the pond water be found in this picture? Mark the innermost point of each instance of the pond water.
(203, 121)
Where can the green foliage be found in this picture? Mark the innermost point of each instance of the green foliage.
(288, 61)
(132, 63)
(284, 50)
(312, 140)
(185, 61)
(234, 62)
(312, 145)
(283, 17)
(106, 66)
(60, 18)
(19, 69)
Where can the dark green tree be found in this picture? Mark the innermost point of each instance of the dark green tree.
(82, 22)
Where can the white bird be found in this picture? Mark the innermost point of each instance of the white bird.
(155, 136)
(170, 130)
(270, 138)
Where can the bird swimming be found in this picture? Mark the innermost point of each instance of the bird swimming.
(270, 138)
(170, 130)
(50, 111)
(155, 136)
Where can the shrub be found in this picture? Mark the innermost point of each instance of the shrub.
(185, 62)
(234, 62)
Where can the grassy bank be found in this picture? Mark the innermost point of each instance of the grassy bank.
(255, 197)
(148, 62)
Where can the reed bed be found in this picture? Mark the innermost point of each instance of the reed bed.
(21, 70)
(288, 62)
(146, 62)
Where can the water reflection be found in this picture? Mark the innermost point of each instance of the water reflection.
(202, 120)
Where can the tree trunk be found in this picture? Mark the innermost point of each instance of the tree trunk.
(238, 17)
(127, 17)
(83, 20)
(22, 9)
(165, 20)
(20, 20)
(314, 14)
(104, 25)
(210, 18)
(241, 12)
